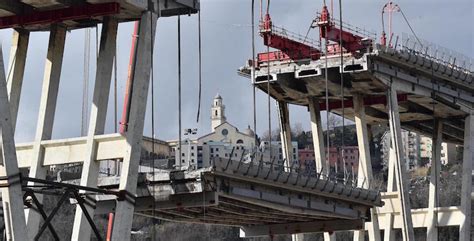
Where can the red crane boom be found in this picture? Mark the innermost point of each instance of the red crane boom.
(291, 46)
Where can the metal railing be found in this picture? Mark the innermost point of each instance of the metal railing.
(284, 172)
(350, 28)
(434, 54)
(280, 31)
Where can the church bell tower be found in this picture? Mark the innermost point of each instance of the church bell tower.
(217, 112)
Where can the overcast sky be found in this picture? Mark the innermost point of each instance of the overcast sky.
(226, 46)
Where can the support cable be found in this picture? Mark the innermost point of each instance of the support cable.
(85, 87)
(342, 88)
(115, 100)
(327, 104)
(268, 6)
(200, 67)
(179, 90)
(268, 94)
(409, 25)
(152, 48)
(115, 89)
(253, 75)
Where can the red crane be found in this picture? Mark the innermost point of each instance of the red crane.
(291, 46)
(329, 30)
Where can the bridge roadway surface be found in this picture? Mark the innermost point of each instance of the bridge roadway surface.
(262, 198)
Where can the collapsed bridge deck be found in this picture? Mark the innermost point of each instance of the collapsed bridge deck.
(258, 197)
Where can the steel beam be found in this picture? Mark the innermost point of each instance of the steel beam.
(466, 190)
(129, 175)
(12, 198)
(433, 202)
(403, 187)
(47, 108)
(365, 176)
(90, 168)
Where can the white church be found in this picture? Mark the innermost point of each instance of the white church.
(225, 141)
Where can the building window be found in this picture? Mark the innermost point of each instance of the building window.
(225, 132)
(217, 155)
(217, 149)
(212, 150)
(215, 113)
(239, 141)
(226, 155)
(192, 147)
(192, 153)
(192, 160)
(182, 154)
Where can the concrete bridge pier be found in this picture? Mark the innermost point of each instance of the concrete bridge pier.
(128, 177)
(365, 176)
(468, 162)
(14, 216)
(47, 109)
(90, 168)
(400, 170)
(285, 133)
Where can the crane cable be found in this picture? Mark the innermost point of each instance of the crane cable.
(179, 90)
(253, 76)
(268, 94)
(326, 75)
(200, 67)
(342, 88)
(411, 29)
(152, 51)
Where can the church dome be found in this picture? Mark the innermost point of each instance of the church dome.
(218, 96)
(249, 131)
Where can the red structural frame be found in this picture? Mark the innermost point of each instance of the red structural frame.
(290, 48)
(329, 31)
(84, 11)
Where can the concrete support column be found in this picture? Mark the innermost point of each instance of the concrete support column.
(297, 237)
(402, 184)
(47, 110)
(318, 137)
(90, 168)
(285, 133)
(329, 237)
(318, 145)
(433, 202)
(129, 173)
(389, 234)
(365, 176)
(12, 196)
(16, 70)
(466, 190)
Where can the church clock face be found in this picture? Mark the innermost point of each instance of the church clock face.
(225, 132)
